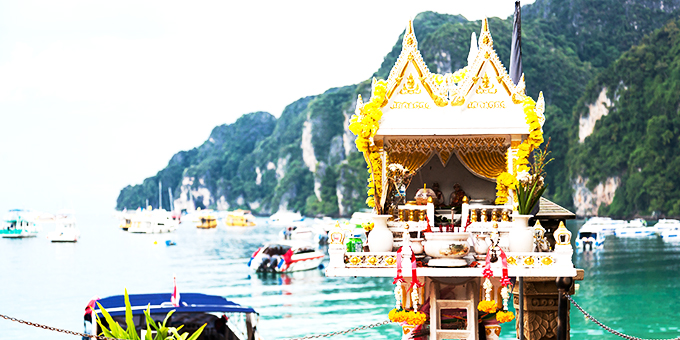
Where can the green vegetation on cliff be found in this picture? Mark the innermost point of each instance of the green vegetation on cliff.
(638, 141)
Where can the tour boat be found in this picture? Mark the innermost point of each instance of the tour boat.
(207, 222)
(315, 234)
(224, 319)
(286, 256)
(605, 224)
(239, 218)
(153, 221)
(18, 225)
(65, 229)
(590, 237)
(669, 230)
(636, 228)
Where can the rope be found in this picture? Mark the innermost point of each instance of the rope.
(50, 328)
(605, 327)
(343, 332)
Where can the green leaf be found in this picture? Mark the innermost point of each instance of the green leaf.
(131, 329)
(197, 333)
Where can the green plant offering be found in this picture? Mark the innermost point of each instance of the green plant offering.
(162, 331)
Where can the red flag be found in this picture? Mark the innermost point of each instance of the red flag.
(175, 294)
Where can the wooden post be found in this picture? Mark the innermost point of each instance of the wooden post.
(563, 286)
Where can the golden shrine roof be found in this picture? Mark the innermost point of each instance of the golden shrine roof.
(484, 101)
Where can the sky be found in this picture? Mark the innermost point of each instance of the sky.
(98, 95)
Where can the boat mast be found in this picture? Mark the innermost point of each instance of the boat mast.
(160, 196)
(172, 203)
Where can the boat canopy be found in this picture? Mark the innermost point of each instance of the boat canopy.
(160, 303)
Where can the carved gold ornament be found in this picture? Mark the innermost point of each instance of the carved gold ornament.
(512, 261)
(529, 261)
(546, 261)
(486, 87)
(391, 261)
(410, 87)
(355, 260)
(372, 260)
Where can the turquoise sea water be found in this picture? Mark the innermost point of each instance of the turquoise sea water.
(631, 284)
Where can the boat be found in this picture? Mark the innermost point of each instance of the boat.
(286, 256)
(636, 228)
(286, 218)
(65, 229)
(605, 224)
(239, 218)
(315, 234)
(207, 222)
(153, 222)
(590, 237)
(18, 224)
(224, 319)
(668, 229)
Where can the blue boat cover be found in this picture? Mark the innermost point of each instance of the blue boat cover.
(160, 303)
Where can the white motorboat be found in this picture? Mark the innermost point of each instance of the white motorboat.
(590, 237)
(636, 228)
(18, 224)
(668, 229)
(65, 229)
(153, 221)
(286, 218)
(286, 256)
(605, 224)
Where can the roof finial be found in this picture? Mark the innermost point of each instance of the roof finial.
(485, 25)
(409, 36)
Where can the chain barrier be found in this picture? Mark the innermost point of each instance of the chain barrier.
(50, 328)
(343, 332)
(605, 327)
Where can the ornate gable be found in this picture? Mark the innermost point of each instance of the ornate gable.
(410, 74)
(487, 75)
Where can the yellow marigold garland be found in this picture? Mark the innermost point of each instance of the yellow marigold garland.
(505, 180)
(505, 316)
(487, 306)
(414, 318)
(365, 125)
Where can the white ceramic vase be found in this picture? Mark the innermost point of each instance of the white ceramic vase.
(380, 239)
(521, 237)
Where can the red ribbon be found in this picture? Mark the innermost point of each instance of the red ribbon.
(488, 273)
(399, 278)
(467, 223)
(414, 275)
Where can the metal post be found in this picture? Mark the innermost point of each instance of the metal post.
(563, 287)
(520, 312)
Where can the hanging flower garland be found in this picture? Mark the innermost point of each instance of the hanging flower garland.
(400, 314)
(505, 181)
(364, 124)
(488, 305)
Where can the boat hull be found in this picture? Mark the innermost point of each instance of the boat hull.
(306, 261)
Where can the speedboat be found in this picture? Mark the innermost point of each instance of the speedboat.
(65, 229)
(605, 224)
(636, 228)
(668, 229)
(153, 221)
(18, 225)
(286, 256)
(286, 218)
(224, 319)
(590, 237)
(239, 218)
